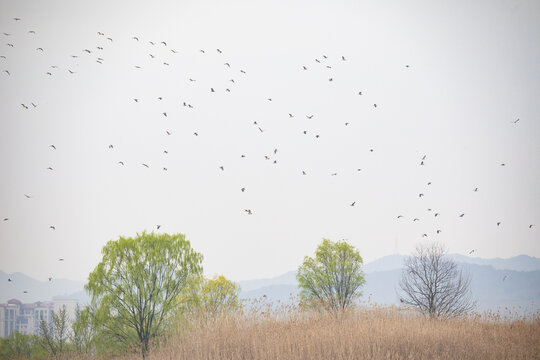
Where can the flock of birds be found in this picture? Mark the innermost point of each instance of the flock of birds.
(105, 41)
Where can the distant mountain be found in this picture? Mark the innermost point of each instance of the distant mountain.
(517, 263)
(289, 278)
(37, 290)
(493, 288)
(513, 282)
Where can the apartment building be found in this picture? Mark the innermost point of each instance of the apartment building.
(25, 318)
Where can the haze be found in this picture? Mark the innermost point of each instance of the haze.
(450, 81)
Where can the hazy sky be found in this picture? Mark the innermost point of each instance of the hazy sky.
(474, 69)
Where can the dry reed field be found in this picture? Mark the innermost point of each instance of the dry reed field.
(366, 333)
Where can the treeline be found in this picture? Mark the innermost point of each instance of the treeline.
(151, 286)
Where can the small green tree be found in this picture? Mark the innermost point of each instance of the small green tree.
(17, 346)
(136, 285)
(83, 330)
(209, 298)
(53, 339)
(333, 278)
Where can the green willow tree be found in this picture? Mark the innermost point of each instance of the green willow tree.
(333, 278)
(137, 283)
(209, 298)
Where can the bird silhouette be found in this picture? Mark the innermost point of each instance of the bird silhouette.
(354, 202)
(145, 166)
(50, 279)
(343, 58)
(243, 189)
(416, 219)
(400, 216)
(49, 168)
(437, 214)
(473, 250)
(28, 196)
(420, 195)
(462, 215)
(303, 172)
(498, 223)
(164, 43)
(475, 189)
(248, 211)
(111, 146)
(222, 168)
(530, 226)
(52, 227)
(309, 116)
(7, 72)
(439, 231)
(305, 68)
(158, 226)
(6, 219)
(515, 122)
(121, 163)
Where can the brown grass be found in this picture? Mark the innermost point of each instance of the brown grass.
(366, 333)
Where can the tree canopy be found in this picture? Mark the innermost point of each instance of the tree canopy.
(332, 278)
(433, 284)
(208, 298)
(137, 283)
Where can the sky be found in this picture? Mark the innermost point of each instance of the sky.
(449, 80)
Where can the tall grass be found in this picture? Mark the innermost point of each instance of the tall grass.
(289, 333)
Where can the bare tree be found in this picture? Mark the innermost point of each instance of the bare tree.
(432, 283)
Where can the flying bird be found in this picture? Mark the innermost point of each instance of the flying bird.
(439, 231)
(462, 215)
(196, 134)
(416, 219)
(158, 226)
(530, 226)
(309, 116)
(222, 168)
(6, 219)
(50, 279)
(135, 38)
(343, 58)
(49, 168)
(7, 72)
(498, 223)
(475, 189)
(229, 65)
(305, 68)
(473, 250)
(400, 216)
(121, 163)
(164, 43)
(52, 227)
(28, 197)
(111, 146)
(303, 172)
(354, 202)
(145, 166)
(248, 211)
(61, 259)
(420, 195)
(515, 122)
(243, 189)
